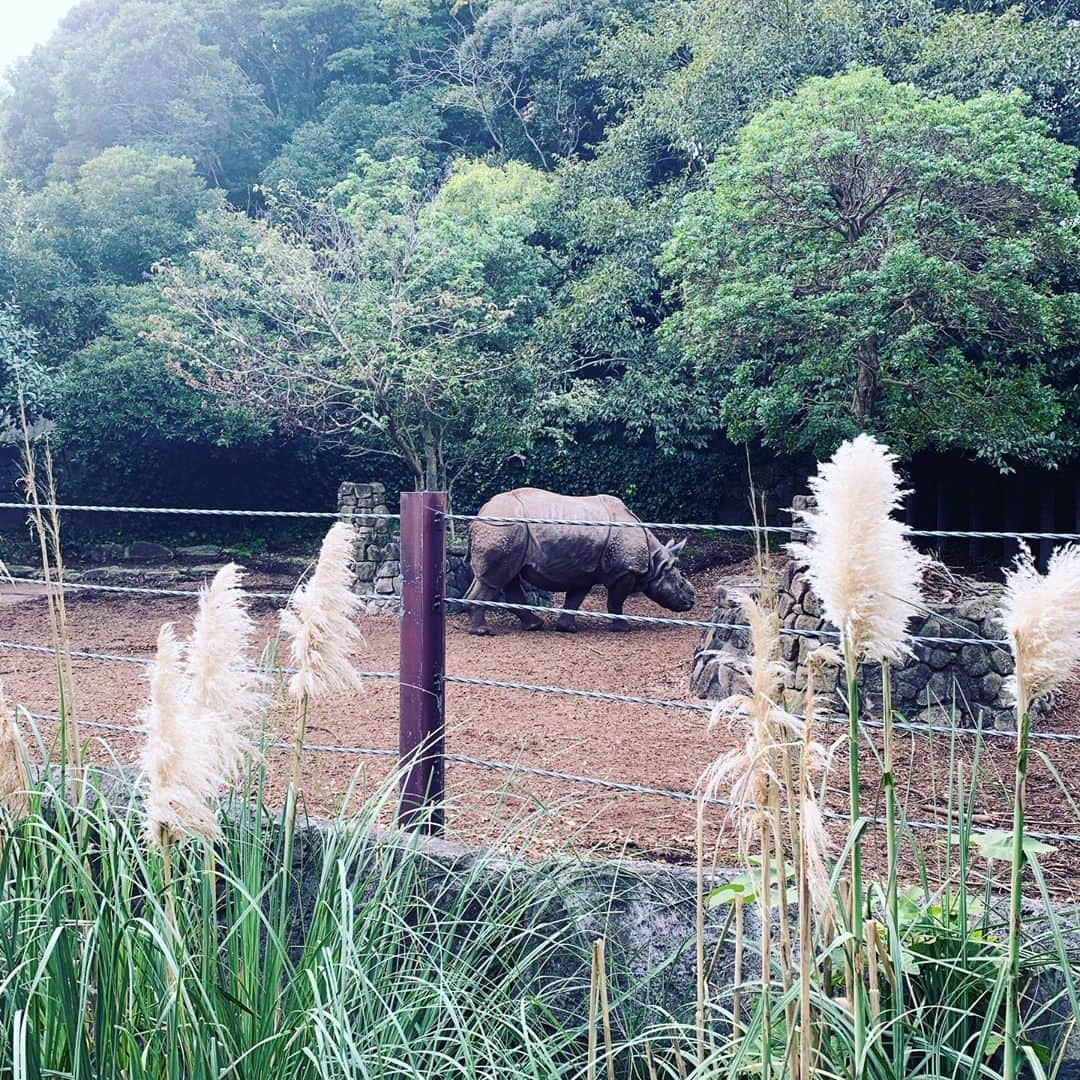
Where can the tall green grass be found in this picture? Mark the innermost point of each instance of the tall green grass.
(371, 961)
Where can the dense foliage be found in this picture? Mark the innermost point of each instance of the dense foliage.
(482, 237)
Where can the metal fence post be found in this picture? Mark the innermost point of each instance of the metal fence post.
(423, 660)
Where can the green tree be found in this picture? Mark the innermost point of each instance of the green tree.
(869, 256)
(516, 76)
(25, 385)
(970, 52)
(66, 247)
(677, 81)
(125, 210)
(132, 73)
(394, 320)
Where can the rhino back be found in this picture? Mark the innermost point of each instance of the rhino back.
(567, 555)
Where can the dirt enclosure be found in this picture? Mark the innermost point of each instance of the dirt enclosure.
(649, 746)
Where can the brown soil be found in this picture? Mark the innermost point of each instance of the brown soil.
(661, 748)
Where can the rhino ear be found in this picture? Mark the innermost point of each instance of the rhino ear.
(674, 548)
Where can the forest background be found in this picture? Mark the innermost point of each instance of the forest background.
(249, 249)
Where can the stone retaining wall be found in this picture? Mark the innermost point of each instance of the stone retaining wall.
(936, 675)
(972, 678)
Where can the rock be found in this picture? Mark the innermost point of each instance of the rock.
(870, 680)
(942, 688)
(940, 658)
(787, 576)
(384, 586)
(911, 681)
(200, 552)
(975, 660)
(991, 686)
(1000, 660)
(948, 672)
(978, 609)
(148, 552)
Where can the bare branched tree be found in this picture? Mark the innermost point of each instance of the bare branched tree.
(368, 324)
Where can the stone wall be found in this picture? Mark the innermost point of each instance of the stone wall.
(936, 676)
(378, 552)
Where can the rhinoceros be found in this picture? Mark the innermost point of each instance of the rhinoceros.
(569, 558)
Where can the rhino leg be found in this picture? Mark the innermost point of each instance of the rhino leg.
(515, 594)
(617, 593)
(574, 599)
(478, 590)
(495, 554)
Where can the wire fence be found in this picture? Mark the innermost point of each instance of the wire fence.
(518, 768)
(500, 605)
(701, 707)
(669, 526)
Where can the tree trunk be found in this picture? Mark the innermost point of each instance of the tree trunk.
(433, 473)
(866, 378)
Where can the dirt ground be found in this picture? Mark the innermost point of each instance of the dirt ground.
(655, 747)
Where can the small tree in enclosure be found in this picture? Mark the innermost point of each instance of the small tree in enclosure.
(867, 256)
(389, 318)
(25, 385)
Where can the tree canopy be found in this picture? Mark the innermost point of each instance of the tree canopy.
(488, 236)
(867, 255)
(388, 317)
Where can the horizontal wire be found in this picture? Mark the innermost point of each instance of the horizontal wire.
(621, 786)
(592, 695)
(153, 591)
(832, 635)
(682, 526)
(146, 661)
(138, 590)
(913, 727)
(990, 534)
(974, 534)
(586, 523)
(202, 511)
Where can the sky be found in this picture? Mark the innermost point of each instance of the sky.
(24, 23)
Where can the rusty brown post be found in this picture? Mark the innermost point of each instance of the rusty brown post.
(423, 660)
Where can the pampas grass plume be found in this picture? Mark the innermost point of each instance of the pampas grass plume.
(181, 760)
(222, 681)
(1041, 615)
(859, 564)
(320, 620)
(816, 851)
(14, 780)
(744, 773)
